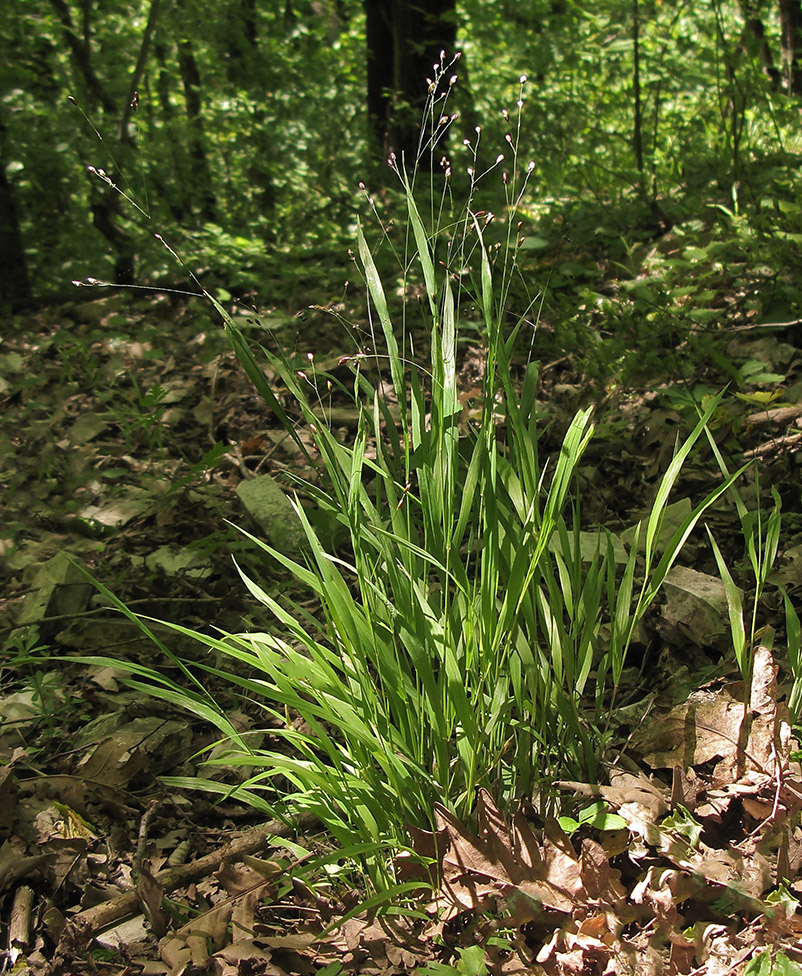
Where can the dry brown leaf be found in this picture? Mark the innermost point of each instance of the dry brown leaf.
(599, 881)
(661, 890)
(8, 797)
(474, 869)
(244, 956)
(625, 787)
(151, 894)
(130, 749)
(563, 870)
(175, 953)
(525, 844)
(708, 726)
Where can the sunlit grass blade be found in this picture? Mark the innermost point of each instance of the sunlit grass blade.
(736, 613)
(379, 299)
(655, 520)
(423, 250)
(793, 633)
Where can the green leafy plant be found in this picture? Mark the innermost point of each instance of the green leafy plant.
(460, 630)
(793, 635)
(596, 815)
(40, 696)
(141, 416)
(471, 962)
(761, 535)
(771, 963)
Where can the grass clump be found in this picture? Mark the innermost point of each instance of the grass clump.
(465, 637)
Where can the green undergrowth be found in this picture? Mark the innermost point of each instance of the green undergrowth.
(467, 633)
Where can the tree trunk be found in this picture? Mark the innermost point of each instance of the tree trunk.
(243, 41)
(754, 40)
(202, 177)
(105, 208)
(15, 285)
(404, 42)
(132, 96)
(245, 70)
(791, 21)
(81, 58)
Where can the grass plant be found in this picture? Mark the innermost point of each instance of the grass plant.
(761, 534)
(462, 638)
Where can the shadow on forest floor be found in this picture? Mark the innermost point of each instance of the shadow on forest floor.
(126, 429)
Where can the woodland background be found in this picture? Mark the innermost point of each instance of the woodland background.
(634, 171)
(241, 131)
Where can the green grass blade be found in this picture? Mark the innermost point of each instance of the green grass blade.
(668, 480)
(424, 251)
(793, 632)
(736, 612)
(377, 295)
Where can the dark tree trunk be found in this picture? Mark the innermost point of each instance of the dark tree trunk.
(105, 208)
(243, 41)
(132, 96)
(163, 82)
(15, 285)
(404, 42)
(791, 22)
(202, 182)
(637, 128)
(244, 69)
(754, 39)
(105, 204)
(81, 57)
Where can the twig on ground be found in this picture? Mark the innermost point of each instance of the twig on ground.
(82, 927)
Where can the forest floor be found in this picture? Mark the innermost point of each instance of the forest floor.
(126, 427)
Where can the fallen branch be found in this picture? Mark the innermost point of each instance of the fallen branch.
(84, 926)
(776, 446)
